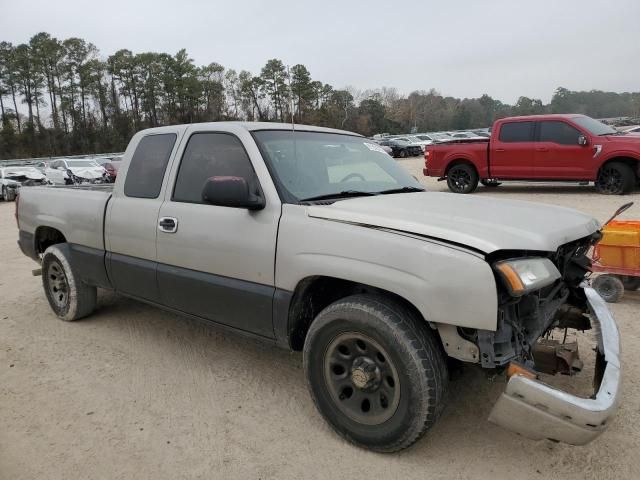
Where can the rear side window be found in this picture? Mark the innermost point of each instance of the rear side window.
(210, 155)
(516, 132)
(559, 132)
(147, 166)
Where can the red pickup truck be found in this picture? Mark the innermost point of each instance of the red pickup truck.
(540, 148)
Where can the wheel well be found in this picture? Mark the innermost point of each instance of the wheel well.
(47, 236)
(313, 294)
(459, 161)
(632, 162)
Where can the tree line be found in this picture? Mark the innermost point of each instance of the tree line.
(60, 97)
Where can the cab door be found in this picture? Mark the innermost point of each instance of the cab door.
(217, 262)
(558, 153)
(511, 151)
(132, 215)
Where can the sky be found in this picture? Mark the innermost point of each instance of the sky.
(464, 48)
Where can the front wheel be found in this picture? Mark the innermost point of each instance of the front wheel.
(403, 154)
(462, 178)
(375, 372)
(615, 178)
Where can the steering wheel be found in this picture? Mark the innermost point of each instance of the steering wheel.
(352, 175)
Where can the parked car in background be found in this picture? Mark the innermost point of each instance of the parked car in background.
(12, 178)
(433, 137)
(540, 148)
(631, 129)
(402, 148)
(111, 165)
(75, 172)
(412, 141)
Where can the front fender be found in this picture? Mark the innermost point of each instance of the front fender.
(446, 284)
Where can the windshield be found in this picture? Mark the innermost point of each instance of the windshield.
(82, 163)
(594, 126)
(311, 164)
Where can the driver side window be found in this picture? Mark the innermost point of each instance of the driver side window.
(558, 132)
(211, 155)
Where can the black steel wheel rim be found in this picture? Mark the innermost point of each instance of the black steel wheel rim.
(361, 378)
(58, 284)
(460, 179)
(610, 180)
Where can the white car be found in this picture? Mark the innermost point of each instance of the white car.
(631, 129)
(433, 137)
(75, 172)
(14, 177)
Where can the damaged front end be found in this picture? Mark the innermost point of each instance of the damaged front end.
(523, 347)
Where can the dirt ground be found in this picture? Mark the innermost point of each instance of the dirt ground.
(135, 392)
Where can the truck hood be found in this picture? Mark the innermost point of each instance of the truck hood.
(483, 223)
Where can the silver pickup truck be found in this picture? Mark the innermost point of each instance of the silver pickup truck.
(318, 241)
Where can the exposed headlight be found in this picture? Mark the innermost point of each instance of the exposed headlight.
(524, 275)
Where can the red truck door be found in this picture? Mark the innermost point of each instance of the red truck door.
(511, 151)
(558, 155)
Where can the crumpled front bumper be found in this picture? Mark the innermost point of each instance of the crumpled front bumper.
(537, 411)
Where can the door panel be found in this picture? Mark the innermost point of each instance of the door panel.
(132, 217)
(511, 153)
(219, 262)
(558, 154)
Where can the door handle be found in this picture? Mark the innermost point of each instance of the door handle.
(168, 224)
(542, 149)
(499, 150)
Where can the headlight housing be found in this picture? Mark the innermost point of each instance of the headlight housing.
(524, 275)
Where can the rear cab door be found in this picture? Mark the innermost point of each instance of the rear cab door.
(132, 214)
(218, 262)
(511, 151)
(558, 155)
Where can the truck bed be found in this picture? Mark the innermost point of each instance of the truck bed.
(76, 211)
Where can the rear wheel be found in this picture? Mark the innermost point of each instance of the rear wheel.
(69, 298)
(615, 178)
(403, 154)
(2, 193)
(10, 195)
(462, 178)
(375, 372)
(609, 287)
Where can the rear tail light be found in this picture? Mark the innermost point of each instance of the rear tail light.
(16, 214)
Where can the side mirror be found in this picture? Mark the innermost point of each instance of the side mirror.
(231, 192)
(582, 140)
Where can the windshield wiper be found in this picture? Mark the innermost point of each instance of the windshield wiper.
(401, 190)
(343, 194)
(612, 133)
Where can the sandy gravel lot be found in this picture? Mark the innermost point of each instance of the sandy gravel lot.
(135, 392)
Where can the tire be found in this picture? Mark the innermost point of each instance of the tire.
(69, 298)
(403, 154)
(398, 382)
(10, 195)
(462, 178)
(490, 183)
(609, 287)
(630, 283)
(615, 178)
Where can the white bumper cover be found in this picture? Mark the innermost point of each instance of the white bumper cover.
(538, 411)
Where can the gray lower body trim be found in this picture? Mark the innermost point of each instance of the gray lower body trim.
(26, 242)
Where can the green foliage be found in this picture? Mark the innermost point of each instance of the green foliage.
(60, 97)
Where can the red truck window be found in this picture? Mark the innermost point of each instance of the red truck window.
(558, 132)
(516, 132)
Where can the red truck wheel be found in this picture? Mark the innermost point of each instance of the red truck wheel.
(462, 178)
(615, 178)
